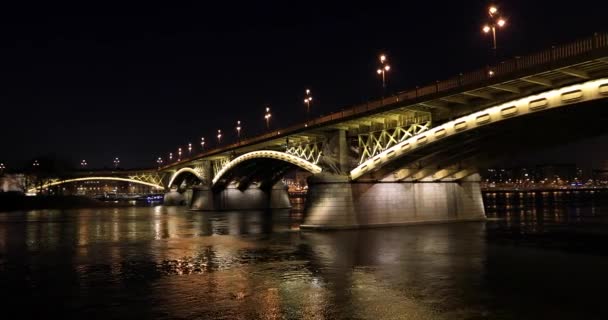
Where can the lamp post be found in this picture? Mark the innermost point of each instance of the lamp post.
(382, 70)
(308, 100)
(116, 162)
(160, 162)
(238, 130)
(179, 154)
(83, 163)
(203, 143)
(496, 21)
(219, 136)
(2, 168)
(170, 156)
(189, 148)
(267, 117)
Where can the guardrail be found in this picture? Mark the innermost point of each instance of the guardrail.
(597, 42)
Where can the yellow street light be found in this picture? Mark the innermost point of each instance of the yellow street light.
(267, 117)
(495, 22)
(382, 71)
(308, 100)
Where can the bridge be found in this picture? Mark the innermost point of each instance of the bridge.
(147, 177)
(411, 157)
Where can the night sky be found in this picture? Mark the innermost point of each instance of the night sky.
(98, 80)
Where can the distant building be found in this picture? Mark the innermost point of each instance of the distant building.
(557, 172)
(12, 182)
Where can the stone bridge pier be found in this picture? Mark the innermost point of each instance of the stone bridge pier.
(334, 202)
(205, 198)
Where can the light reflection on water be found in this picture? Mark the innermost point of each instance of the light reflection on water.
(167, 262)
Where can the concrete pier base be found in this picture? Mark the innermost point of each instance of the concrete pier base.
(333, 202)
(231, 198)
(174, 198)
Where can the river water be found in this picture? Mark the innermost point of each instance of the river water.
(539, 256)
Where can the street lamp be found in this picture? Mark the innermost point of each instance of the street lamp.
(159, 161)
(83, 163)
(267, 117)
(496, 21)
(202, 142)
(384, 67)
(238, 130)
(179, 154)
(36, 163)
(308, 100)
(219, 136)
(189, 148)
(116, 162)
(2, 168)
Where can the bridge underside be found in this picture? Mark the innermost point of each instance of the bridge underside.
(253, 184)
(440, 182)
(488, 146)
(262, 173)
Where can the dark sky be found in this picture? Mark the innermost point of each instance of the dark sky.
(99, 79)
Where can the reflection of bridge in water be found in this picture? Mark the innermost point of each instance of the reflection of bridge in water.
(412, 157)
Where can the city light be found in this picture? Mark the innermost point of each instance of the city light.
(495, 22)
(382, 71)
(267, 117)
(219, 136)
(2, 167)
(159, 161)
(179, 154)
(189, 148)
(83, 163)
(203, 143)
(308, 100)
(238, 129)
(116, 162)
(36, 163)
(170, 156)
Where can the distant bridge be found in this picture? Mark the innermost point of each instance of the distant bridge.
(147, 177)
(413, 156)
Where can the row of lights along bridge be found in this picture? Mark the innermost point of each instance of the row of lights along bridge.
(495, 22)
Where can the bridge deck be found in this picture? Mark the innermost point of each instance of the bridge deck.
(463, 94)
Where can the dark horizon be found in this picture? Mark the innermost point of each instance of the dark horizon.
(82, 81)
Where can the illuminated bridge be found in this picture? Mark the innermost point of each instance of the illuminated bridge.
(151, 178)
(411, 157)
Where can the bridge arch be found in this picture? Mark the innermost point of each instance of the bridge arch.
(60, 182)
(569, 95)
(275, 157)
(182, 174)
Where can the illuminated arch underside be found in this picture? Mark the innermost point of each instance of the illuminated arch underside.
(588, 91)
(56, 183)
(182, 170)
(268, 154)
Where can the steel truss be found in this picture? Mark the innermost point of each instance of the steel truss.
(219, 164)
(151, 177)
(310, 152)
(373, 143)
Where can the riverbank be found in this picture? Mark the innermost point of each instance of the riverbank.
(12, 201)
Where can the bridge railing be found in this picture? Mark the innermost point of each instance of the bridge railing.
(598, 42)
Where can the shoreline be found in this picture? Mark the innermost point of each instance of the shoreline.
(13, 201)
